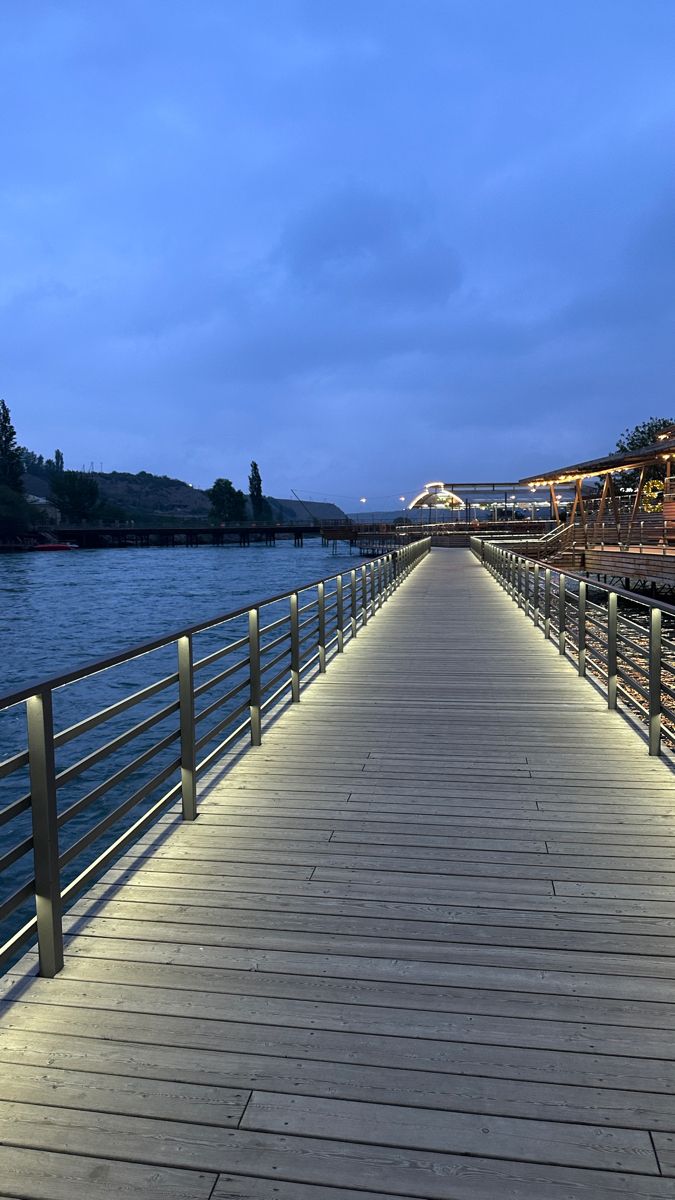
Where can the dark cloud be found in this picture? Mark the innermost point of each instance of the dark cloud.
(366, 244)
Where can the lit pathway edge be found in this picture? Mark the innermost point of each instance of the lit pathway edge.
(268, 664)
(633, 663)
(419, 943)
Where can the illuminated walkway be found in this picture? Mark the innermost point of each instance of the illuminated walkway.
(420, 944)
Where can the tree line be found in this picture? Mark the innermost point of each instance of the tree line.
(230, 505)
(76, 494)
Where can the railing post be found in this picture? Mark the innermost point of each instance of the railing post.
(380, 583)
(364, 595)
(188, 754)
(340, 616)
(321, 597)
(612, 623)
(547, 602)
(535, 595)
(352, 588)
(655, 681)
(45, 832)
(372, 589)
(562, 597)
(295, 649)
(581, 633)
(254, 674)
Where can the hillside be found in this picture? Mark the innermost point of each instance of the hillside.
(150, 498)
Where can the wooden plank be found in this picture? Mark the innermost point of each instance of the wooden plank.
(440, 967)
(315, 1160)
(461, 1133)
(39, 1174)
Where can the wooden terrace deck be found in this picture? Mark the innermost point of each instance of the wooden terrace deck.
(420, 944)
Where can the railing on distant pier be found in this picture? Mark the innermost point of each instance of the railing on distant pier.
(273, 648)
(631, 662)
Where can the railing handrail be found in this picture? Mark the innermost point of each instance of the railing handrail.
(121, 656)
(251, 693)
(561, 569)
(597, 639)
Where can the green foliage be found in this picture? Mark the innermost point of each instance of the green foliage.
(37, 464)
(638, 438)
(228, 503)
(16, 514)
(644, 434)
(11, 460)
(75, 494)
(259, 507)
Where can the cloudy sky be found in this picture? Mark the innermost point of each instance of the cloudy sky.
(368, 243)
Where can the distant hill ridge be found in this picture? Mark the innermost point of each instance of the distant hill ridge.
(148, 498)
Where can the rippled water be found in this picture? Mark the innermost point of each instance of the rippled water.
(59, 612)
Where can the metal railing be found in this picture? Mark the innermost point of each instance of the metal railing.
(257, 659)
(624, 642)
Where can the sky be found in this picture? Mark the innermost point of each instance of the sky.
(369, 244)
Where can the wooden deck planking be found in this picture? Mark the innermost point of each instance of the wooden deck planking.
(420, 944)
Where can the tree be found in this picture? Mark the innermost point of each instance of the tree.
(16, 514)
(638, 438)
(75, 493)
(11, 458)
(228, 503)
(58, 460)
(259, 506)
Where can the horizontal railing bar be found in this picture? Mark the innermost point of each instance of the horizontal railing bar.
(265, 649)
(626, 641)
(273, 661)
(308, 638)
(11, 903)
(209, 683)
(113, 781)
(10, 765)
(275, 678)
(633, 683)
(220, 725)
(222, 746)
(18, 939)
(310, 662)
(217, 654)
(274, 624)
(123, 840)
(15, 809)
(105, 714)
(92, 835)
(637, 666)
(310, 621)
(305, 607)
(221, 700)
(114, 660)
(631, 699)
(122, 739)
(275, 695)
(15, 853)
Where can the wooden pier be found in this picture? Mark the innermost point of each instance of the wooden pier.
(419, 944)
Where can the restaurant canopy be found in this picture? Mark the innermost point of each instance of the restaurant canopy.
(662, 450)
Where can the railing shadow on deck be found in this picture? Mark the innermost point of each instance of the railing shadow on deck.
(621, 642)
(280, 644)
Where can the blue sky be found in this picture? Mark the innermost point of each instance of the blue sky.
(368, 244)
